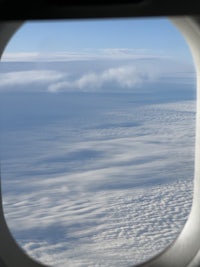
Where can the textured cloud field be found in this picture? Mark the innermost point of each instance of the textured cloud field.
(96, 179)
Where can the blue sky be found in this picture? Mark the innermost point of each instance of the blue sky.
(126, 53)
(153, 35)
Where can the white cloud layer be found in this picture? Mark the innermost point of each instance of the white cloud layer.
(121, 228)
(112, 190)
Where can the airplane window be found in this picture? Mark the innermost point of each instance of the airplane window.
(97, 139)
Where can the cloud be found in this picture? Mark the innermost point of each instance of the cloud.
(129, 76)
(125, 76)
(82, 55)
(90, 76)
(20, 56)
(91, 70)
(119, 76)
(20, 78)
(46, 57)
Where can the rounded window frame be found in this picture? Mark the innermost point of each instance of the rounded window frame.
(185, 250)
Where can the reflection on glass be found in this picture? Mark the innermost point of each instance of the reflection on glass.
(96, 141)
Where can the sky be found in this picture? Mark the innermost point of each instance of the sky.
(138, 35)
(121, 52)
(102, 108)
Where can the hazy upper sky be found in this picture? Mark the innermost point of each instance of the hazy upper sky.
(143, 36)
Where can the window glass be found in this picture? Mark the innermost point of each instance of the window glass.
(97, 139)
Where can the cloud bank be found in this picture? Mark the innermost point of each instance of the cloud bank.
(114, 197)
(91, 71)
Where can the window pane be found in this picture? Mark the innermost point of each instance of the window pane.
(97, 139)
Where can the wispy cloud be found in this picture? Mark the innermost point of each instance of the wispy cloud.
(20, 57)
(17, 78)
(86, 54)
